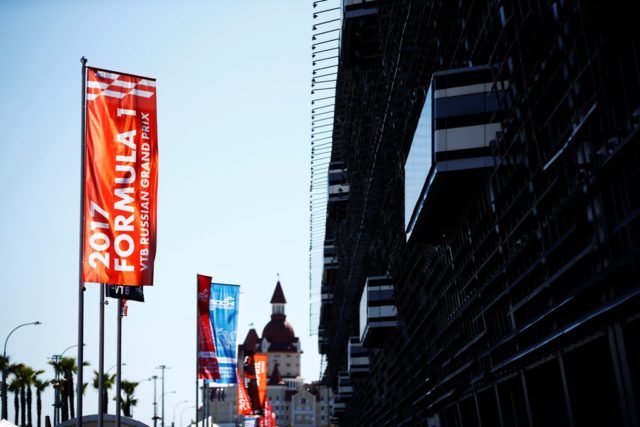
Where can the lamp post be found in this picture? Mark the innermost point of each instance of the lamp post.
(4, 370)
(169, 392)
(162, 399)
(173, 421)
(56, 405)
(182, 414)
(155, 402)
(109, 370)
(163, 368)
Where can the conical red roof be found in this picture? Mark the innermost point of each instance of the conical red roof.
(275, 378)
(251, 341)
(278, 295)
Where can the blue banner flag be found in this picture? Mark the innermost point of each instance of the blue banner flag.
(223, 310)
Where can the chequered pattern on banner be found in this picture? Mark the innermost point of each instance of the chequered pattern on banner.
(117, 86)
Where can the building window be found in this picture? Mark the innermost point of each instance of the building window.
(418, 164)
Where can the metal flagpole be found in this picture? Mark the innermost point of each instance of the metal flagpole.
(163, 367)
(119, 363)
(197, 346)
(101, 402)
(205, 408)
(155, 402)
(83, 126)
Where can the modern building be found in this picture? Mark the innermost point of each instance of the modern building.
(482, 237)
(294, 402)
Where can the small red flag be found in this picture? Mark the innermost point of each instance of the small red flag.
(207, 361)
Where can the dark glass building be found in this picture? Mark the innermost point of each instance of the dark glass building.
(482, 242)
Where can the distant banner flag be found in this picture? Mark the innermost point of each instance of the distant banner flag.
(133, 293)
(207, 362)
(260, 363)
(223, 308)
(124, 308)
(244, 404)
(268, 411)
(250, 382)
(120, 179)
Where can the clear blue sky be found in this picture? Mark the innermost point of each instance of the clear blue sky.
(233, 124)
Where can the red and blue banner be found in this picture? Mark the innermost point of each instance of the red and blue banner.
(223, 311)
(207, 361)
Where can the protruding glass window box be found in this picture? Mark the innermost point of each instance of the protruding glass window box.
(378, 313)
(451, 147)
(358, 358)
(338, 184)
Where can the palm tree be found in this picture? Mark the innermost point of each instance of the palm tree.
(14, 387)
(39, 385)
(129, 401)
(24, 373)
(58, 385)
(4, 368)
(68, 368)
(107, 382)
(31, 376)
(29, 373)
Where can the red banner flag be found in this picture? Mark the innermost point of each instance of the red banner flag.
(244, 404)
(268, 410)
(120, 179)
(207, 361)
(260, 363)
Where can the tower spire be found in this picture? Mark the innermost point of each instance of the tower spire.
(278, 301)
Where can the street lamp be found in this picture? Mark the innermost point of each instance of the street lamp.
(4, 370)
(108, 370)
(56, 358)
(155, 401)
(173, 421)
(162, 399)
(69, 348)
(182, 413)
(163, 368)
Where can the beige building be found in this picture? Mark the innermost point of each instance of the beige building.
(294, 402)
